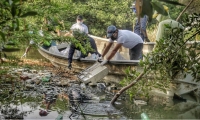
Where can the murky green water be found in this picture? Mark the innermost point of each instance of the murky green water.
(30, 107)
(28, 104)
(32, 54)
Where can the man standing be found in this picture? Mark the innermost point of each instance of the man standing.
(79, 25)
(124, 38)
(83, 29)
(140, 27)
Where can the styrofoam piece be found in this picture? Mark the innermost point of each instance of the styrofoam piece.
(93, 74)
(184, 88)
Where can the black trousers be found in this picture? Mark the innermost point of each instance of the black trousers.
(73, 48)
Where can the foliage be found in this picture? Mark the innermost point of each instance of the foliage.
(193, 8)
(21, 16)
(80, 40)
(102, 13)
(137, 90)
(10, 15)
(19, 27)
(146, 7)
(170, 59)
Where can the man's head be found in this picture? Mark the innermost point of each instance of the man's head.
(111, 30)
(133, 7)
(79, 19)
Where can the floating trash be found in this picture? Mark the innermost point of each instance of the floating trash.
(139, 102)
(98, 109)
(144, 116)
(59, 117)
(43, 113)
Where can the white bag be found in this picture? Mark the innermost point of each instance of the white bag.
(54, 49)
(65, 52)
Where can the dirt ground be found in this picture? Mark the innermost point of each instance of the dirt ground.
(40, 65)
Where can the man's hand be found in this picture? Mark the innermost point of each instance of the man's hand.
(99, 59)
(104, 62)
(24, 55)
(146, 39)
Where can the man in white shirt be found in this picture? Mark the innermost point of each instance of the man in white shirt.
(81, 28)
(125, 38)
(79, 25)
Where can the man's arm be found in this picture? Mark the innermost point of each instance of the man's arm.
(68, 33)
(58, 32)
(107, 49)
(116, 48)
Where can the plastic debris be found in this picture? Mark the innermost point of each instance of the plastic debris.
(59, 117)
(144, 116)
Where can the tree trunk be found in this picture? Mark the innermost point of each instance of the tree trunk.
(138, 6)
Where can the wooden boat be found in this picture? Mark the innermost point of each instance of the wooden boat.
(119, 62)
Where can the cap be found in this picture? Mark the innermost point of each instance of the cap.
(79, 17)
(133, 6)
(110, 30)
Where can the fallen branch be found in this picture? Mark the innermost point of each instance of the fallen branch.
(128, 86)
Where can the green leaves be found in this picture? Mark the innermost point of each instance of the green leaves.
(148, 6)
(2, 36)
(29, 13)
(171, 58)
(159, 8)
(10, 49)
(13, 10)
(147, 9)
(15, 24)
(172, 2)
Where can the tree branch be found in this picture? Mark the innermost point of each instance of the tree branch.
(184, 10)
(128, 86)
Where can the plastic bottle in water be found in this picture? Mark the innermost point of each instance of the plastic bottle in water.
(46, 78)
(59, 117)
(83, 86)
(144, 116)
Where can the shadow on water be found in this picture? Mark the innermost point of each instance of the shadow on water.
(48, 100)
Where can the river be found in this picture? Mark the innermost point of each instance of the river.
(29, 104)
